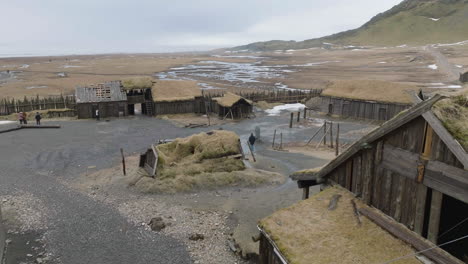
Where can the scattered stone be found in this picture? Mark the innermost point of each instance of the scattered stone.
(157, 224)
(39, 261)
(196, 237)
(29, 255)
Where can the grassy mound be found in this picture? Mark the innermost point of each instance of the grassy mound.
(202, 161)
(453, 112)
(137, 83)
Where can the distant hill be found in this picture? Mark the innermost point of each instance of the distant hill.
(413, 22)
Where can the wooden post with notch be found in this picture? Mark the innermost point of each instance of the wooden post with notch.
(331, 134)
(123, 162)
(305, 113)
(298, 116)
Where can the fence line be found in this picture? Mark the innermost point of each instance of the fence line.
(10, 106)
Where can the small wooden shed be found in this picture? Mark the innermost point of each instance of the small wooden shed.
(109, 98)
(232, 106)
(414, 170)
(372, 100)
(177, 97)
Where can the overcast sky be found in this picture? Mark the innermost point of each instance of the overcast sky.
(103, 26)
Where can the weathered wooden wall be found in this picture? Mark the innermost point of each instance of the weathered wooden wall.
(106, 109)
(270, 96)
(179, 107)
(358, 108)
(404, 174)
(464, 77)
(267, 252)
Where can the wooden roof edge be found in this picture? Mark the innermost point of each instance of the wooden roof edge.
(387, 127)
(273, 244)
(447, 138)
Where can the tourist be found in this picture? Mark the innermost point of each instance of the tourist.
(97, 114)
(38, 118)
(25, 118)
(252, 141)
(21, 117)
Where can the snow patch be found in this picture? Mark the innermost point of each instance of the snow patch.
(434, 19)
(4, 122)
(459, 66)
(275, 111)
(382, 62)
(70, 66)
(24, 66)
(433, 66)
(310, 64)
(37, 87)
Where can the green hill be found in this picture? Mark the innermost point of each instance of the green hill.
(412, 22)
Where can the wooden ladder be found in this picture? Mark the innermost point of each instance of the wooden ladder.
(149, 108)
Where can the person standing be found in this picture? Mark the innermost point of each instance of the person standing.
(21, 117)
(38, 118)
(97, 114)
(252, 141)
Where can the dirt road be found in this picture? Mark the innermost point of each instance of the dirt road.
(444, 66)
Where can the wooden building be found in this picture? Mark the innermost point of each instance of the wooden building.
(372, 100)
(232, 106)
(109, 98)
(413, 172)
(177, 97)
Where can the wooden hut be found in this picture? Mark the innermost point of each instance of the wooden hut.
(177, 97)
(413, 171)
(109, 98)
(373, 100)
(232, 106)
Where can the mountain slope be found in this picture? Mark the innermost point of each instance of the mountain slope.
(411, 22)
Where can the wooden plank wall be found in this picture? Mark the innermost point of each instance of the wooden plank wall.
(267, 252)
(106, 109)
(178, 107)
(393, 176)
(360, 109)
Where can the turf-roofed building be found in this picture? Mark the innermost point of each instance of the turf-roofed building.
(391, 197)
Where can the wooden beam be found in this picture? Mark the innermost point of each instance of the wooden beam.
(447, 138)
(447, 179)
(428, 138)
(434, 219)
(401, 232)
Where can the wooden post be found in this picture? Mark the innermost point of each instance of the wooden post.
(207, 114)
(434, 219)
(291, 120)
(337, 145)
(305, 113)
(274, 137)
(298, 116)
(281, 140)
(331, 134)
(123, 162)
(325, 133)
(421, 195)
(305, 193)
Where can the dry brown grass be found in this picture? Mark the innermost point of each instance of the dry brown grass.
(309, 231)
(92, 69)
(171, 91)
(453, 113)
(137, 83)
(201, 161)
(371, 90)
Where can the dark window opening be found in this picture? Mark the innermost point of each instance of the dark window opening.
(453, 225)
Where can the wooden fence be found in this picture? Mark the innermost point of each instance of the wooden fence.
(9, 106)
(270, 96)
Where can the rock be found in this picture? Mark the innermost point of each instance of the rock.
(29, 255)
(39, 261)
(196, 237)
(157, 224)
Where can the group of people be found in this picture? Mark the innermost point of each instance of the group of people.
(23, 118)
